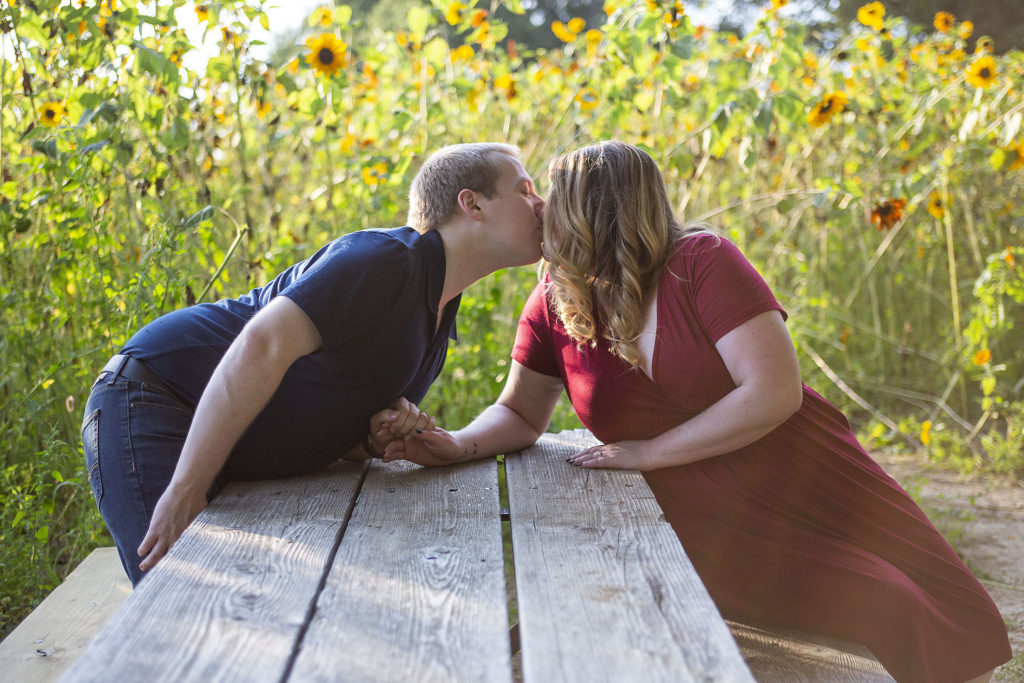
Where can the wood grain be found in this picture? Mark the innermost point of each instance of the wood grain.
(56, 633)
(230, 599)
(417, 590)
(605, 590)
(796, 657)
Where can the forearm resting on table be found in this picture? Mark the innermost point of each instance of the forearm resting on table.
(762, 362)
(740, 418)
(497, 430)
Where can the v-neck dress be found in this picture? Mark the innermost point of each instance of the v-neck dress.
(800, 529)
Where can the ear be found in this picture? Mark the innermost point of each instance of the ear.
(469, 204)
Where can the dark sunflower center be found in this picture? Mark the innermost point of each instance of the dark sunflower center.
(826, 106)
(326, 55)
(885, 210)
(50, 113)
(984, 72)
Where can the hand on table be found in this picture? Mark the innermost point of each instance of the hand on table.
(623, 455)
(172, 515)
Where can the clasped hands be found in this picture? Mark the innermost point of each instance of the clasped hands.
(403, 432)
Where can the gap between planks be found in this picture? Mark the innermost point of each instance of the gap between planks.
(311, 612)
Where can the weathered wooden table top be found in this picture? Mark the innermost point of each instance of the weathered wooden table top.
(398, 573)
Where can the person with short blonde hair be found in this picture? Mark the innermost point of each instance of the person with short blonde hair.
(433, 195)
(284, 379)
(675, 354)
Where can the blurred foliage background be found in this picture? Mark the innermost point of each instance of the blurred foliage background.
(870, 166)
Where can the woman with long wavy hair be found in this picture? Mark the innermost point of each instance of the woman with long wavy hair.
(675, 354)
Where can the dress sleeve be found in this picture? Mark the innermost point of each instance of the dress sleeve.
(727, 290)
(534, 346)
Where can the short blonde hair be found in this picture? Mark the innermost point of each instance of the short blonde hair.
(434, 193)
(609, 232)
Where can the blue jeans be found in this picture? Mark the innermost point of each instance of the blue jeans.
(133, 433)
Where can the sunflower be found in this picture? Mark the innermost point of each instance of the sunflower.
(778, 4)
(322, 16)
(937, 204)
(926, 432)
(563, 33)
(587, 98)
(982, 72)
(984, 44)
(944, 22)
(1014, 156)
(888, 213)
(965, 30)
(507, 84)
(375, 175)
(463, 53)
(326, 53)
(871, 15)
(453, 15)
(50, 113)
(674, 14)
(832, 104)
(202, 13)
(982, 357)
(231, 39)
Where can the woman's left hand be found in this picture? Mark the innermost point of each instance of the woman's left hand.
(623, 455)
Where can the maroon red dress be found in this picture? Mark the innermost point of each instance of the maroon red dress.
(801, 528)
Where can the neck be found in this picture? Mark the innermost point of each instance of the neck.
(466, 261)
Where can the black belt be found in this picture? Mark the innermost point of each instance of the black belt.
(126, 366)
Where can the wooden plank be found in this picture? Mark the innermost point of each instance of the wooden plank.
(229, 601)
(417, 589)
(49, 639)
(605, 590)
(795, 657)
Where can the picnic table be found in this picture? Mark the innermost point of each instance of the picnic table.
(381, 572)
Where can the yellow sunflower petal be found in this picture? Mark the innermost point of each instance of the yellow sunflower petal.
(562, 32)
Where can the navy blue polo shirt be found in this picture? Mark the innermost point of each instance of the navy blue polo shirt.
(373, 296)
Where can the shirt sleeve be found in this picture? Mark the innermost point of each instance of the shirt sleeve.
(727, 290)
(344, 288)
(534, 347)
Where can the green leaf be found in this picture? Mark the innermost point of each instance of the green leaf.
(643, 100)
(436, 51)
(43, 534)
(31, 27)
(514, 6)
(763, 116)
(998, 158)
(220, 68)
(419, 20)
(47, 147)
(155, 63)
(94, 147)
(198, 217)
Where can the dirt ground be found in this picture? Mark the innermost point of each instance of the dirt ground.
(984, 518)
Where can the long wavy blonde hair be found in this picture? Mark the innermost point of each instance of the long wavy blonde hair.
(609, 233)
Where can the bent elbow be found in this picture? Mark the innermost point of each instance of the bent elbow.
(791, 403)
